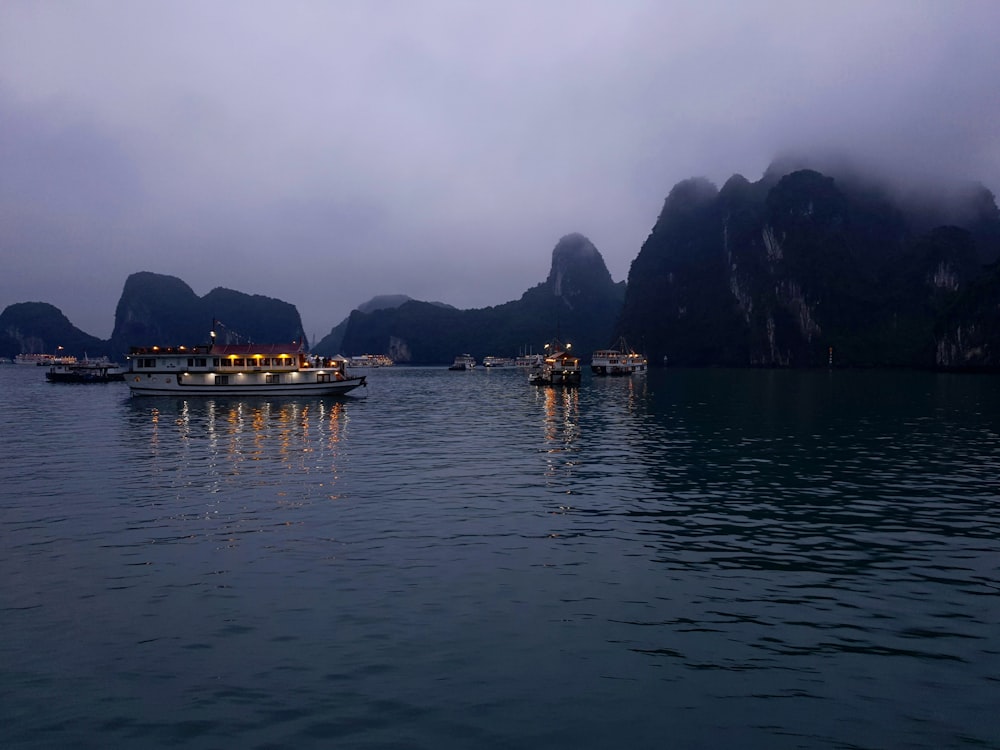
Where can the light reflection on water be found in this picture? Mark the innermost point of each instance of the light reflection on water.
(761, 559)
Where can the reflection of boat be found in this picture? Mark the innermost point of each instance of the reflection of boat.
(560, 367)
(236, 370)
(463, 362)
(99, 371)
(622, 360)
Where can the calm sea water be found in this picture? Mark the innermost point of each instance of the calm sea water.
(698, 559)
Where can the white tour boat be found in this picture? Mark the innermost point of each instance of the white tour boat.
(463, 362)
(236, 370)
(44, 360)
(622, 360)
(369, 361)
(490, 361)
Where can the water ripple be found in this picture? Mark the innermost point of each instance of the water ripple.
(757, 559)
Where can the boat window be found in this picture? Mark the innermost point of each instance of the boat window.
(271, 379)
(222, 380)
(323, 377)
(216, 362)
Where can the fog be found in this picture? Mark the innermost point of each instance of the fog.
(327, 152)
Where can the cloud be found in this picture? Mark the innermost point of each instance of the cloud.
(324, 153)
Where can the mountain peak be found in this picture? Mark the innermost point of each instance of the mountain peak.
(577, 266)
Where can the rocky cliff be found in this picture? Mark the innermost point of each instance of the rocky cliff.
(801, 267)
(158, 309)
(41, 328)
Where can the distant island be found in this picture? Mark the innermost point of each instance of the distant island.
(803, 268)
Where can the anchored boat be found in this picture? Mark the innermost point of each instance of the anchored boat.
(236, 370)
(560, 367)
(88, 371)
(463, 362)
(621, 360)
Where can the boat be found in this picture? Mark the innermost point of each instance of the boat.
(497, 361)
(528, 359)
(560, 367)
(620, 360)
(44, 360)
(97, 371)
(463, 362)
(236, 370)
(369, 361)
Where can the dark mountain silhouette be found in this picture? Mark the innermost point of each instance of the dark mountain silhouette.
(578, 302)
(815, 259)
(330, 344)
(41, 328)
(779, 272)
(163, 310)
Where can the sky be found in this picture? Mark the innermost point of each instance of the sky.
(327, 152)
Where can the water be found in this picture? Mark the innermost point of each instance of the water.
(700, 559)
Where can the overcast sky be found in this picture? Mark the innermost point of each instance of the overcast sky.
(326, 152)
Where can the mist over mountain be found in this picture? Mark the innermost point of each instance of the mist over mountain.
(801, 266)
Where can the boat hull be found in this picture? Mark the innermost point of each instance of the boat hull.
(168, 385)
(555, 377)
(618, 370)
(73, 377)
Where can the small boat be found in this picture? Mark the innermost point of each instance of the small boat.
(99, 371)
(528, 359)
(560, 367)
(463, 362)
(497, 361)
(236, 370)
(621, 360)
(44, 360)
(369, 361)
